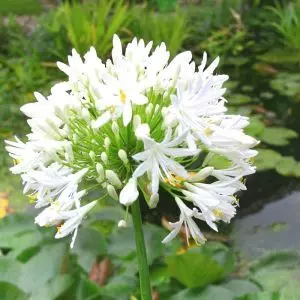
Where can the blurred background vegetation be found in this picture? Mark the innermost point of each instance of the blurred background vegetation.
(256, 257)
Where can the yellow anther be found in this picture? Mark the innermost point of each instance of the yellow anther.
(235, 200)
(16, 161)
(122, 96)
(112, 108)
(59, 227)
(32, 197)
(208, 131)
(174, 180)
(191, 174)
(218, 213)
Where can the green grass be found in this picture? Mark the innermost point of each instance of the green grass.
(20, 7)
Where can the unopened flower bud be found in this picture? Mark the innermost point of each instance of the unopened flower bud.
(142, 131)
(153, 200)
(92, 155)
(75, 137)
(113, 178)
(100, 171)
(85, 114)
(69, 152)
(149, 108)
(122, 224)
(136, 121)
(112, 192)
(115, 128)
(107, 142)
(123, 156)
(103, 156)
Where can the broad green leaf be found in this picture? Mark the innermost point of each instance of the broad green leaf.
(278, 272)
(287, 84)
(276, 261)
(153, 236)
(14, 225)
(120, 287)
(21, 242)
(159, 275)
(10, 271)
(86, 289)
(262, 296)
(88, 246)
(11, 292)
(255, 127)
(267, 159)
(122, 243)
(291, 290)
(238, 99)
(276, 280)
(217, 161)
(280, 56)
(211, 292)
(42, 267)
(195, 268)
(53, 289)
(241, 287)
(221, 254)
(277, 136)
(286, 166)
(106, 219)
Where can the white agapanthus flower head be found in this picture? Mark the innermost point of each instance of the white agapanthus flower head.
(134, 125)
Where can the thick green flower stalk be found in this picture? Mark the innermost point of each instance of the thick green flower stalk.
(132, 126)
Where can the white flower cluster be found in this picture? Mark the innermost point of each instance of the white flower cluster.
(136, 123)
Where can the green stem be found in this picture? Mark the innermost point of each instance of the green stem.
(141, 251)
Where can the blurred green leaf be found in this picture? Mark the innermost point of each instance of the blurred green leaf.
(87, 289)
(88, 246)
(276, 260)
(280, 56)
(262, 296)
(42, 267)
(10, 271)
(267, 159)
(211, 292)
(199, 267)
(240, 287)
(278, 272)
(239, 99)
(277, 136)
(255, 127)
(286, 166)
(121, 243)
(153, 236)
(120, 287)
(11, 292)
(53, 289)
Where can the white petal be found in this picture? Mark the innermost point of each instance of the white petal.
(129, 193)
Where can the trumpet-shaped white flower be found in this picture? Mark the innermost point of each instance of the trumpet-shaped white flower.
(47, 183)
(132, 124)
(157, 162)
(186, 219)
(72, 220)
